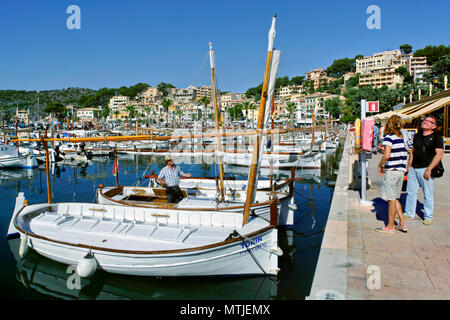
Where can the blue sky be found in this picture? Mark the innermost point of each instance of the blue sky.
(126, 42)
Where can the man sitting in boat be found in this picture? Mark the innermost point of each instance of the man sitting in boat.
(169, 177)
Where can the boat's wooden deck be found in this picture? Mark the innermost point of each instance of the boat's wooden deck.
(125, 235)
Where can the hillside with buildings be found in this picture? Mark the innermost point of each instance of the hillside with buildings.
(392, 77)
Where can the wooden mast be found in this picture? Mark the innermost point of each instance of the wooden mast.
(212, 61)
(259, 126)
(272, 124)
(313, 125)
(47, 170)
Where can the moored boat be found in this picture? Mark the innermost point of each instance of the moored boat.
(149, 242)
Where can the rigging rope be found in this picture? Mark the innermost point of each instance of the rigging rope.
(201, 68)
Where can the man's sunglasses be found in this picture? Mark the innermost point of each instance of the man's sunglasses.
(432, 122)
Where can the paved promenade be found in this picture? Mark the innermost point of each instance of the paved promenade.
(400, 266)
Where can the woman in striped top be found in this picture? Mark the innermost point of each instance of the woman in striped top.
(392, 167)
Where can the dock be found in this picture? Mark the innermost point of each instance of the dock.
(358, 263)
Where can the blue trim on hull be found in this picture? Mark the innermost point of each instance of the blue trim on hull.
(13, 236)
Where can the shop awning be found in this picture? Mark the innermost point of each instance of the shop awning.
(425, 108)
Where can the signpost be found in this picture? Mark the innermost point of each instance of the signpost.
(372, 106)
(362, 155)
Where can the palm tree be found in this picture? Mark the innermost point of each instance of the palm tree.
(235, 111)
(131, 112)
(179, 114)
(166, 104)
(116, 113)
(105, 113)
(246, 105)
(291, 107)
(205, 101)
(147, 110)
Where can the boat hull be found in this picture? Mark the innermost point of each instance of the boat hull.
(226, 260)
(279, 163)
(145, 242)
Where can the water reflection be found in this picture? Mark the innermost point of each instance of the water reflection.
(300, 244)
(54, 279)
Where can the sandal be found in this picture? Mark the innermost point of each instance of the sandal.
(385, 230)
(402, 229)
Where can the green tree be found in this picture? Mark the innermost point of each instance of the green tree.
(235, 112)
(433, 53)
(166, 103)
(163, 88)
(333, 106)
(106, 111)
(131, 112)
(205, 101)
(406, 48)
(439, 69)
(147, 110)
(296, 81)
(116, 114)
(406, 76)
(352, 82)
(341, 66)
(57, 109)
(246, 106)
(281, 82)
(291, 107)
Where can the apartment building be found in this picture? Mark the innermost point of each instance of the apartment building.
(231, 96)
(379, 70)
(384, 77)
(205, 91)
(185, 95)
(319, 76)
(150, 95)
(379, 61)
(314, 103)
(416, 66)
(286, 92)
(87, 114)
(118, 103)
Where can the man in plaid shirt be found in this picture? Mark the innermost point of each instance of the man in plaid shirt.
(169, 177)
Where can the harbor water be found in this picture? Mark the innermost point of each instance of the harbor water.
(36, 277)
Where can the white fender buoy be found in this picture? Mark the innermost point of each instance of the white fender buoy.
(87, 266)
(23, 248)
(278, 251)
(292, 205)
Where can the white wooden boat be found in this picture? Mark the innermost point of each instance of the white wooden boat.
(147, 242)
(200, 199)
(280, 162)
(11, 157)
(300, 173)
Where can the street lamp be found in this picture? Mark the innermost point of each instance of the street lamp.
(435, 80)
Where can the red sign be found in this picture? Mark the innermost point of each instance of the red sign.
(373, 106)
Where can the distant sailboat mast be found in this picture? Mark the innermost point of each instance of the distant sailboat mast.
(212, 61)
